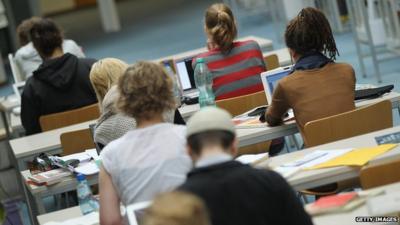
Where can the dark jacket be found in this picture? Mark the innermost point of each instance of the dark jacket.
(58, 85)
(237, 194)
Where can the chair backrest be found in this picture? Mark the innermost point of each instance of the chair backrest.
(378, 175)
(241, 104)
(62, 119)
(356, 122)
(16, 72)
(76, 141)
(271, 62)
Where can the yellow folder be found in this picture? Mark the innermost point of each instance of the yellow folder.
(356, 157)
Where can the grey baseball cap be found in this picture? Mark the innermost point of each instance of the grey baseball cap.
(210, 118)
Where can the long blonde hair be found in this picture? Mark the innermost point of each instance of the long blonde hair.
(104, 74)
(221, 26)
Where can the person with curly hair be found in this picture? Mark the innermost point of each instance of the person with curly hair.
(150, 159)
(318, 86)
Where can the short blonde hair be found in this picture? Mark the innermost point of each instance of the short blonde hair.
(177, 208)
(145, 90)
(104, 74)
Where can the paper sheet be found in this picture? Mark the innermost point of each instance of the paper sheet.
(82, 157)
(357, 157)
(89, 219)
(251, 158)
(88, 168)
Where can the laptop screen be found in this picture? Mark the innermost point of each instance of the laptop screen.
(272, 80)
(136, 212)
(186, 73)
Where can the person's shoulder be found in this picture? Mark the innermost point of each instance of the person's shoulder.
(112, 148)
(250, 43)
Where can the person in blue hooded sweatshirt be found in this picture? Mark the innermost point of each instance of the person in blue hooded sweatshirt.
(60, 83)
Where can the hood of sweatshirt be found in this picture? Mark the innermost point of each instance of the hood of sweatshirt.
(59, 73)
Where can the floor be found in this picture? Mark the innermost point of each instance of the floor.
(156, 28)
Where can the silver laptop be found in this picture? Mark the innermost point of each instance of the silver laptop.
(185, 73)
(271, 78)
(136, 212)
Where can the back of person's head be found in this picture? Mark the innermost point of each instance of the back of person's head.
(221, 26)
(310, 31)
(104, 74)
(177, 208)
(24, 29)
(211, 128)
(46, 37)
(145, 90)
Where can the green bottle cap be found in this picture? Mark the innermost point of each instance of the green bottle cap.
(200, 60)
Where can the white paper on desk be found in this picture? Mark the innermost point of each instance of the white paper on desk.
(251, 158)
(82, 157)
(286, 172)
(384, 204)
(88, 168)
(317, 157)
(89, 219)
(93, 153)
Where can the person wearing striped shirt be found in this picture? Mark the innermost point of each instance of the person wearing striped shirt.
(235, 65)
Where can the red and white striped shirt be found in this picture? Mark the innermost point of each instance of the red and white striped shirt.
(236, 73)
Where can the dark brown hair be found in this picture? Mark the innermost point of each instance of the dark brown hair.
(145, 90)
(221, 25)
(197, 142)
(46, 36)
(24, 29)
(310, 31)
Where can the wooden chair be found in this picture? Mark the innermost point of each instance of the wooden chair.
(377, 175)
(76, 141)
(242, 104)
(62, 119)
(271, 62)
(345, 125)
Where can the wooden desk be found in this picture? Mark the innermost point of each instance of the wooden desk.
(314, 178)
(265, 44)
(188, 110)
(348, 218)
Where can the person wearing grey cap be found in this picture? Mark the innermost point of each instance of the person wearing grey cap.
(235, 193)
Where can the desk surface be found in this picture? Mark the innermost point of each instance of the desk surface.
(50, 140)
(328, 219)
(263, 42)
(37, 143)
(348, 218)
(314, 178)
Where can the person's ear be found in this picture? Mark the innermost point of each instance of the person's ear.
(234, 148)
(293, 55)
(191, 153)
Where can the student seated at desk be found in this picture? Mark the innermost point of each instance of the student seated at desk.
(177, 208)
(28, 58)
(233, 192)
(149, 159)
(235, 65)
(318, 87)
(112, 124)
(61, 82)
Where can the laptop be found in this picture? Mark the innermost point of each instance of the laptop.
(136, 212)
(271, 78)
(185, 73)
(18, 89)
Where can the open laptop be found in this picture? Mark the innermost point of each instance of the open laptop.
(185, 73)
(136, 212)
(271, 78)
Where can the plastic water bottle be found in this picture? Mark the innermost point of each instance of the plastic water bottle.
(204, 82)
(85, 198)
(176, 88)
